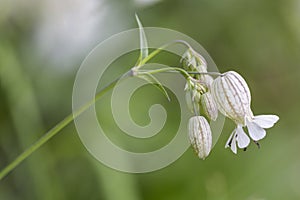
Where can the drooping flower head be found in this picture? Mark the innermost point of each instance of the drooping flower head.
(232, 95)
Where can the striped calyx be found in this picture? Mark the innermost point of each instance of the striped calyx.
(209, 106)
(232, 96)
(200, 136)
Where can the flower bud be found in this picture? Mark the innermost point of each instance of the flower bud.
(193, 61)
(200, 136)
(194, 90)
(206, 80)
(209, 106)
(232, 96)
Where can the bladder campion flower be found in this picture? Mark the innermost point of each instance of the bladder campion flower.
(232, 95)
(200, 136)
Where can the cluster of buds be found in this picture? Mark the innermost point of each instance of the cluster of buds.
(198, 87)
(229, 94)
(200, 101)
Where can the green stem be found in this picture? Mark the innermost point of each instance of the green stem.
(206, 73)
(57, 128)
(166, 69)
(157, 51)
(15, 83)
(176, 70)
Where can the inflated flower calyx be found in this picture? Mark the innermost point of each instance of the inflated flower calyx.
(232, 95)
(200, 136)
(209, 106)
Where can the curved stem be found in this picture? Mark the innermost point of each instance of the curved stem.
(57, 128)
(166, 69)
(157, 51)
(180, 70)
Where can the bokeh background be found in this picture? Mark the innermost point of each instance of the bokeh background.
(42, 44)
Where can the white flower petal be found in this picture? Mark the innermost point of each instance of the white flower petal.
(266, 121)
(233, 145)
(255, 131)
(231, 142)
(242, 138)
(228, 143)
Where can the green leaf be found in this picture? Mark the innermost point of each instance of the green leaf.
(155, 82)
(143, 41)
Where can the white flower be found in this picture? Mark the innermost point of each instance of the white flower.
(200, 136)
(232, 95)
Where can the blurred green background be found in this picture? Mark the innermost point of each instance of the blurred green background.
(42, 44)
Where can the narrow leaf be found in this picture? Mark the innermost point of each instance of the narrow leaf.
(151, 79)
(143, 41)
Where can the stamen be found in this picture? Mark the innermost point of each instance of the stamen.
(230, 142)
(258, 145)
